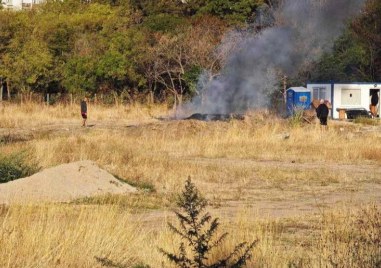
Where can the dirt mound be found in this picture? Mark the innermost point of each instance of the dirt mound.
(63, 183)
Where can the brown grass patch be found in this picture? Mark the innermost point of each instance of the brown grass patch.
(246, 168)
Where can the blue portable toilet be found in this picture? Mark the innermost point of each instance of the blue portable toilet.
(298, 98)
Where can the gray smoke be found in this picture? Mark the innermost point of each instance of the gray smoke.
(303, 31)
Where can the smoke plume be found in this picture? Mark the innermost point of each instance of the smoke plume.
(303, 30)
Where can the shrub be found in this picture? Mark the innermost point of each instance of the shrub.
(296, 119)
(199, 231)
(16, 166)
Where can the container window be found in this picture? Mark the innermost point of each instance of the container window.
(320, 93)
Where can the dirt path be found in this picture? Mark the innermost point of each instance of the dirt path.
(261, 197)
(363, 168)
(258, 199)
(20, 134)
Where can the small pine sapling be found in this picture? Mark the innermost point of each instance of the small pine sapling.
(198, 231)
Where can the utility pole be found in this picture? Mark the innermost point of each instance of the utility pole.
(285, 89)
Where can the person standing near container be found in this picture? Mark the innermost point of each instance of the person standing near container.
(373, 104)
(84, 111)
(322, 112)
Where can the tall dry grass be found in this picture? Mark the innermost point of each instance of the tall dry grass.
(81, 236)
(30, 114)
(71, 236)
(351, 238)
(163, 153)
(92, 236)
(231, 162)
(226, 154)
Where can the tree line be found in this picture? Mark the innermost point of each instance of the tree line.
(153, 48)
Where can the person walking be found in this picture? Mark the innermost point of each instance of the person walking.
(84, 111)
(322, 112)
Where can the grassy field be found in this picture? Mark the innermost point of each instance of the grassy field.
(310, 196)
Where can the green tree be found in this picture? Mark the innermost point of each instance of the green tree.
(347, 62)
(356, 55)
(79, 74)
(28, 65)
(198, 231)
(367, 29)
(149, 7)
(232, 10)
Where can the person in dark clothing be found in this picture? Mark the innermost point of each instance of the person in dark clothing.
(84, 111)
(322, 112)
(373, 103)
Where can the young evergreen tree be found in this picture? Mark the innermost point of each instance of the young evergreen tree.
(198, 231)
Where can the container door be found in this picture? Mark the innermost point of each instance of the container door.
(302, 100)
(290, 102)
(351, 97)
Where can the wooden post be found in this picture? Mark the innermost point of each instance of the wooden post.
(95, 99)
(1, 90)
(8, 90)
(47, 99)
(285, 89)
(115, 99)
(71, 99)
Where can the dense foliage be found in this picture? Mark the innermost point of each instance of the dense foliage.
(357, 53)
(155, 48)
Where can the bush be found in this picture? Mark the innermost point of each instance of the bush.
(296, 119)
(198, 231)
(16, 166)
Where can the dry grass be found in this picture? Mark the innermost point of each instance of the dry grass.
(351, 239)
(248, 169)
(34, 115)
(71, 236)
(79, 236)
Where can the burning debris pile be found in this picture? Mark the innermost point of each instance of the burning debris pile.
(297, 33)
(215, 117)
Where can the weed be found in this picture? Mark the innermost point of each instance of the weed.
(16, 166)
(296, 119)
(145, 186)
(141, 201)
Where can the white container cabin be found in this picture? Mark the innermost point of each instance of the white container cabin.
(345, 96)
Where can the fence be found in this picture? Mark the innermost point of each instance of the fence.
(72, 99)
